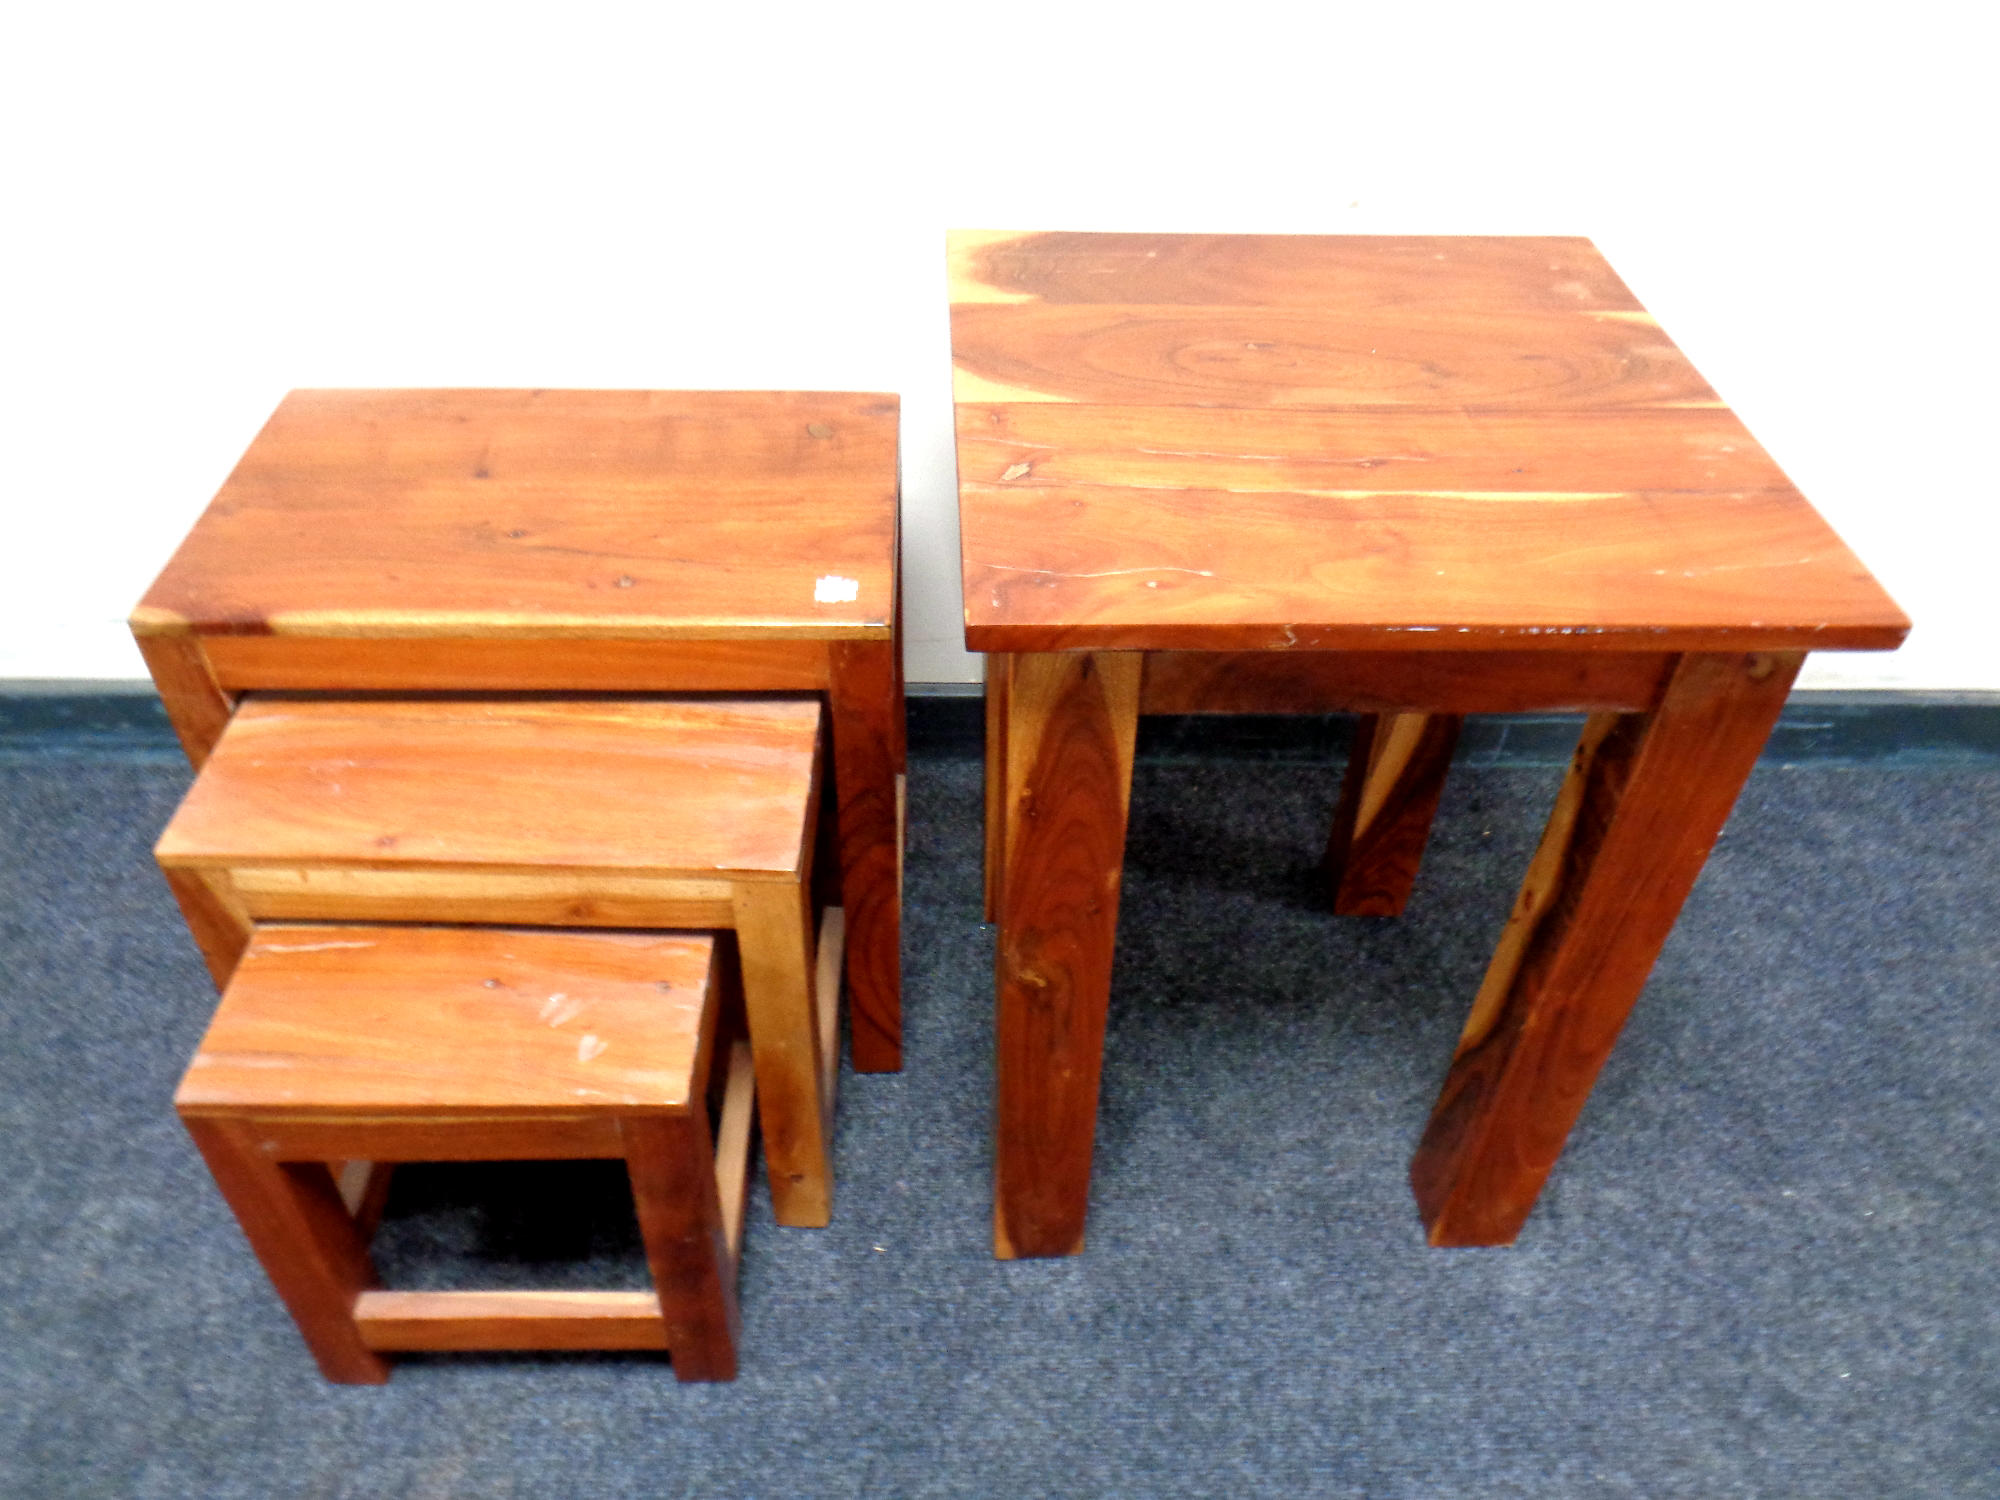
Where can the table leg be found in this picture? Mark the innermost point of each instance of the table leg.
(293, 1217)
(867, 743)
(196, 707)
(1395, 775)
(671, 1162)
(1645, 798)
(220, 928)
(996, 765)
(774, 942)
(1071, 720)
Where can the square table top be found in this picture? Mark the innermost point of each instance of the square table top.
(648, 514)
(1241, 442)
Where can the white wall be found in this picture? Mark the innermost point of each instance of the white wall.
(204, 205)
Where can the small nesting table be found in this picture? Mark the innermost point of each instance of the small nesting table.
(571, 542)
(1410, 477)
(435, 1044)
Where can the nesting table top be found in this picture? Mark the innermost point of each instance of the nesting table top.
(444, 1019)
(692, 787)
(1242, 442)
(630, 514)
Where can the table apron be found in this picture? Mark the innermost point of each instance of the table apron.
(502, 664)
(1458, 682)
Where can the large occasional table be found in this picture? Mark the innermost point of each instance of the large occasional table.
(1413, 478)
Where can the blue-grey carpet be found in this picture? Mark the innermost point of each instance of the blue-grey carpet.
(1766, 1265)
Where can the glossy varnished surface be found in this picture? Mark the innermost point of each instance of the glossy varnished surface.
(1258, 443)
(359, 1018)
(696, 788)
(608, 513)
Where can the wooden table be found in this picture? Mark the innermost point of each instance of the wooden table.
(570, 541)
(1414, 478)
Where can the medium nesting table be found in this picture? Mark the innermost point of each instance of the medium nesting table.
(1413, 478)
(571, 542)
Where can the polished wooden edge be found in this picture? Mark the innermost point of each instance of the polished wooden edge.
(363, 394)
(151, 619)
(443, 1135)
(1456, 639)
(281, 1119)
(970, 237)
(174, 859)
(451, 626)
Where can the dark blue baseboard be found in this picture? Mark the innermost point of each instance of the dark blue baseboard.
(1884, 728)
(54, 718)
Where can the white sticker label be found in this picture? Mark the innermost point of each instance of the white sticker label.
(833, 589)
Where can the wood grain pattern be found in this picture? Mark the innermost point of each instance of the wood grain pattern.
(1387, 682)
(704, 514)
(1338, 272)
(1270, 443)
(1369, 452)
(866, 707)
(710, 789)
(455, 1020)
(1645, 799)
(1072, 723)
(1468, 357)
(1395, 775)
(1094, 567)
